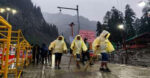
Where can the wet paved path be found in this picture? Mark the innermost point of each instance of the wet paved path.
(118, 71)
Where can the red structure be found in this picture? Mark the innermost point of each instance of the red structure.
(139, 41)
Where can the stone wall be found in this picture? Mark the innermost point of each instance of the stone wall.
(139, 57)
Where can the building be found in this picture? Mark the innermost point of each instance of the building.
(138, 41)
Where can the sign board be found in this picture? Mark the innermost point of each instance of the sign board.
(90, 35)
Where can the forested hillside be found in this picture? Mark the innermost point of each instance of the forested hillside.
(30, 20)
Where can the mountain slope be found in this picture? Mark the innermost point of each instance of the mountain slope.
(30, 19)
(62, 21)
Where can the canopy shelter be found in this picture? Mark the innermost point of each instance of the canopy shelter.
(139, 41)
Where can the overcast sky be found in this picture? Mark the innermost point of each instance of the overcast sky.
(92, 9)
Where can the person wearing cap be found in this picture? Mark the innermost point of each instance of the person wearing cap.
(58, 47)
(103, 46)
(77, 47)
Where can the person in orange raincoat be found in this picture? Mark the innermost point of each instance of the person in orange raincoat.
(103, 46)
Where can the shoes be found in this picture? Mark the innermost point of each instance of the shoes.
(78, 66)
(107, 70)
(91, 64)
(59, 67)
(83, 63)
(101, 69)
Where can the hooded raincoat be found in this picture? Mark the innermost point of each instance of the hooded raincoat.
(58, 46)
(102, 44)
(78, 46)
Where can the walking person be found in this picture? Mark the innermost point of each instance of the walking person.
(77, 47)
(33, 54)
(86, 55)
(36, 53)
(58, 47)
(103, 46)
(49, 55)
(44, 53)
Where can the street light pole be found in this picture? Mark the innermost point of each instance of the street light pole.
(122, 27)
(76, 9)
(7, 16)
(78, 19)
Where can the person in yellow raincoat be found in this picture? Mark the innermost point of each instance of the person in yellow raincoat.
(58, 47)
(77, 47)
(103, 46)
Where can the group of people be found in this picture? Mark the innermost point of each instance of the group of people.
(40, 54)
(101, 46)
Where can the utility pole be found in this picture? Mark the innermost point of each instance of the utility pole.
(77, 10)
(71, 25)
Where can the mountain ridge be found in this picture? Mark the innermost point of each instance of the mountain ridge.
(62, 21)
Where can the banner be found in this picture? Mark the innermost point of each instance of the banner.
(90, 35)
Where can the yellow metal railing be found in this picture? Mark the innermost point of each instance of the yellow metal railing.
(5, 39)
(16, 39)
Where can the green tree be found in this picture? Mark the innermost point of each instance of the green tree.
(99, 28)
(137, 24)
(112, 19)
(30, 20)
(107, 17)
(145, 19)
(129, 20)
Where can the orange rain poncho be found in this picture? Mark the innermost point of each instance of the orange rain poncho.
(78, 46)
(100, 40)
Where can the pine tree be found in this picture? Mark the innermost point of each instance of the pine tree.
(136, 25)
(99, 28)
(145, 19)
(30, 20)
(114, 18)
(129, 20)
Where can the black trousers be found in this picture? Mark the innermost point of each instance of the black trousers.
(37, 59)
(58, 56)
(84, 55)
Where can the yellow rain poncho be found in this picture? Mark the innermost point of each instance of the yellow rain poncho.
(102, 40)
(58, 46)
(78, 46)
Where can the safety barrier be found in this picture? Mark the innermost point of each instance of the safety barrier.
(5, 39)
(15, 50)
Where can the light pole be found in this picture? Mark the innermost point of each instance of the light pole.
(122, 28)
(8, 11)
(77, 10)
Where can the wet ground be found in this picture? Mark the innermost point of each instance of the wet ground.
(118, 71)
